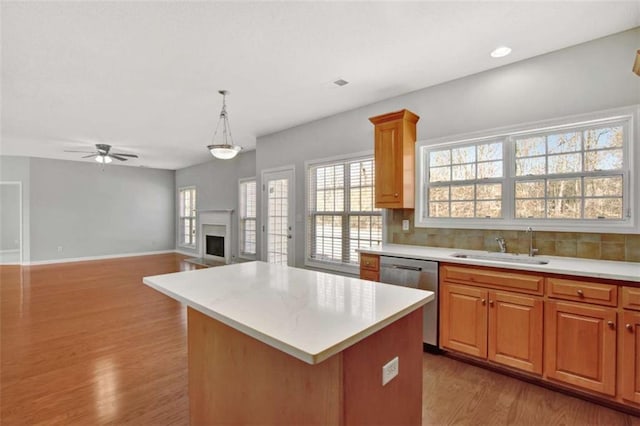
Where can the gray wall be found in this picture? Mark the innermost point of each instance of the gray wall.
(9, 216)
(16, 169)
(585, 78)
(216, 183)
(90, 210)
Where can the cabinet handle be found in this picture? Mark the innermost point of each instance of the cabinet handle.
(484, 302)
(490, 302)
(611, 324)
(580, 293)
(396, 195)
(629, 327)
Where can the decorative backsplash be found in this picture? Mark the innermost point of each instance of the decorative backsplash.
(624, 247)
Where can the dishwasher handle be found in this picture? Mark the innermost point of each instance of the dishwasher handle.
(408, 268)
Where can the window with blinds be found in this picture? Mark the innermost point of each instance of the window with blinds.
(247, 218)
(341, 214)
(187, 217)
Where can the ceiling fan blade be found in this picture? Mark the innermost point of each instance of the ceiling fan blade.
(89, 156)
(117, 157)
(84, 152)
(124, 155)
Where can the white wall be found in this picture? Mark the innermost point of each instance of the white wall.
(216, 183)
(589, 77)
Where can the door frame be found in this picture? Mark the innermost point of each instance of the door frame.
(264, 212)
(20, 212)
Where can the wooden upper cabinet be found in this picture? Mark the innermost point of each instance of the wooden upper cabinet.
(394, 144)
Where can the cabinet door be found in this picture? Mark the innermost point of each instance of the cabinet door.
(463, 319)
(388, 162)
(367, 274)
(580, 345)
(515, 331)
(630, 347)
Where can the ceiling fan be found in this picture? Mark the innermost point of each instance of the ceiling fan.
(104, 155)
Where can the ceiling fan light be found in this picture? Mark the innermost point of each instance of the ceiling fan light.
(103, 159)
(224, 152)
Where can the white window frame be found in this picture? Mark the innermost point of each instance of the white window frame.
(345, 268)
(241, 254)
(194, 217)
(631, 200)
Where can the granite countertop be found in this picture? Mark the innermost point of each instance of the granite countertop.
(307, 314)
(624, 271)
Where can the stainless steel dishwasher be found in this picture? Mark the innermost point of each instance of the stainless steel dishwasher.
(422, 274)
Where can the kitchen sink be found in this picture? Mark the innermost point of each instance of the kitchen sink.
(502, 257)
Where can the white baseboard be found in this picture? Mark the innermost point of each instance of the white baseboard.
(109, 256)
(186, 253)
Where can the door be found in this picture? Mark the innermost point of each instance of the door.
(580, 345)
(388, 149)
(10, 223)
(515, 331)
(278, 216)
(463, 319)
(630, 347)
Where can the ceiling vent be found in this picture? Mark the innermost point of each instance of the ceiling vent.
(340, 82)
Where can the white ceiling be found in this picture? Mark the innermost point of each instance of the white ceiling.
(144, 76)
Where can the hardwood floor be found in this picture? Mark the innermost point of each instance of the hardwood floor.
(87, 343)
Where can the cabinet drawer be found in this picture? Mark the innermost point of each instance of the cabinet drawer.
(631, 298)
(370, 262)
(583, 291)
(493, 278)
(366, 274)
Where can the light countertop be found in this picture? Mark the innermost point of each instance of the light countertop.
(307, 314)
(623, 271)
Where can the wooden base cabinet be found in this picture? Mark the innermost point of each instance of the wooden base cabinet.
(463, 319)
(502, 327)
(630, 360)
(515, 331)
(580, 345)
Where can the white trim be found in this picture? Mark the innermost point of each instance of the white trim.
(87, 258)
(630, 196)
(20, 212)
(186, 253)
(264, 210)
(240, 254)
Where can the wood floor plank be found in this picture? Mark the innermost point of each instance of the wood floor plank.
(87, 343)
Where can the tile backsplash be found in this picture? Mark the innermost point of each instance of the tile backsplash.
(624, 247)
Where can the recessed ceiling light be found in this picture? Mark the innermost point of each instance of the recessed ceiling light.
(501, 51)
(340, 82)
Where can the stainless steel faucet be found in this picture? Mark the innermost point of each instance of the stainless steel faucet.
(532, 251)
(502, 244)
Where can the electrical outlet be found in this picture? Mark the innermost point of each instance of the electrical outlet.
(60, 249)
(405, 225)
(390, 370)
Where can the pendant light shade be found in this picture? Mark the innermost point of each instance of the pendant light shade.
(224, 148)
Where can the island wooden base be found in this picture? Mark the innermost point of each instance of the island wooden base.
(236, 379)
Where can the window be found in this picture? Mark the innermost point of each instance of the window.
(571, 174)
(466, 181)
(341, 213)
(247, 218)
(187, 221)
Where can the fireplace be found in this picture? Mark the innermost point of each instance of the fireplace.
(215, 235)
(214, 245)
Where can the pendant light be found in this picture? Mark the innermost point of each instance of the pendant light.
(224, 149)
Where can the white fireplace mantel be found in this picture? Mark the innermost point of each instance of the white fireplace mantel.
(217, 217)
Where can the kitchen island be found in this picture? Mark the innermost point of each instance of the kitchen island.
(272, 344)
